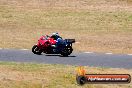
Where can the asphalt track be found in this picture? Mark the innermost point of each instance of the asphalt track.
(79, 59)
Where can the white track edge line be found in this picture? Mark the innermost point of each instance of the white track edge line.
(129, 54)
(24, 49)
(88, 52)
(108, 53)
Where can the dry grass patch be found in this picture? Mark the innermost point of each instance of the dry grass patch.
(27, 75)
(31, 75)
(101, 26)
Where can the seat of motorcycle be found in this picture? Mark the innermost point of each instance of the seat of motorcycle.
(70, 40)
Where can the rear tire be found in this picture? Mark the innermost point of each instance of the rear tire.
(66, 51)
(36, 50)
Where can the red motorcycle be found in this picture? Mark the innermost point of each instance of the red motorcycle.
(48, 45)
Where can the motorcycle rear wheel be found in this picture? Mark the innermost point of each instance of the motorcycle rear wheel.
(66, 51)
(36, 50)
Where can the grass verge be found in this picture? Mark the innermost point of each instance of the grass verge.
(32, 75)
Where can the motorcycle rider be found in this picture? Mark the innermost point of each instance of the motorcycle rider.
(57, 38)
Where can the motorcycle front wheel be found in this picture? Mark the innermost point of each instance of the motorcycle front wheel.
(36, 50)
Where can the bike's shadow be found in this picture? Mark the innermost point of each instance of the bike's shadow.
(59, 55)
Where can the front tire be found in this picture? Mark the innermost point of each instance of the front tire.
(66, 51)
(36, 50)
